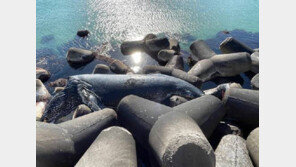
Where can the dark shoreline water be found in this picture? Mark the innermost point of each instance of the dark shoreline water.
(54, 60)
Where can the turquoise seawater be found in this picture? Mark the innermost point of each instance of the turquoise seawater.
(113, 21)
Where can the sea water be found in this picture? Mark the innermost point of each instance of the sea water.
(112, 21)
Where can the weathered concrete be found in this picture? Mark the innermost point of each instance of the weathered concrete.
(253, 146)
(115, 146)
(232, 152)
(207, 111)
(118, 67)
(174, 45)
(220, 89)
(165, 55)
(231, 45)
(63, 144)
(255, 82)
(200, 50)
(178, 141)
(255, 62)
(129, 47)
(176, 62)
(81, 110)
(138, 115)
(42, 74)
(223, 65)
(242, 106)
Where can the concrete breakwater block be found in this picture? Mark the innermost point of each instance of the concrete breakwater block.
(174, 45)
(129, 47)
(232, 152)
(173, 72)
(223, 65)
(242, 106)
(138, 115)
(178, 141)
(200, 50)
(255, 62)
(255, 82)
(176, 100)
(207, 111)
(63, 144)
(165, 55)
(115, 146)
(79, 56)
(231, 45)
(118, 67)
(220, 89)
(253, 146)
(176, 62)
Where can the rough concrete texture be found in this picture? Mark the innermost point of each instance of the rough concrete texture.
(231, 45)
(63, 144)
(232, 152)
(178, 141)
(242, 106)
(200, 50)
(115, 146)
(255, 62)
(253, 146)
(176, 62)
(255, 82)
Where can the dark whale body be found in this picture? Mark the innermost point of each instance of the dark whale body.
(100, 90)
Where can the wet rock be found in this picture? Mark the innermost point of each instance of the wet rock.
(200, 50)
(42, 74)
(114, 146)
(242, 106)
(174, 45)
(101, 69)
(178, 141)
(253, 146)
(82, 33)
(232, 152)
(177, 100)
(81, 110)
(78, 56)
(58, 89)
(255, 62)
(61, 82)
(63, 144)
(42, 93)
(224, 65)
(176, 62)
(231, 45)
(173, 72)
(165, 55)
(255, 82)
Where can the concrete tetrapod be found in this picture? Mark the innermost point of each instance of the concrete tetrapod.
(173, 72)
(223, 65)
(178, 141)
(115, 146)
(138, 115)
(200, 50)
(255, 62)
(63, 144)
(220, 89)
(176, 62)
(255, 82)
(253, 146)
(242, 106)
(231, 45)
(232, 152)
